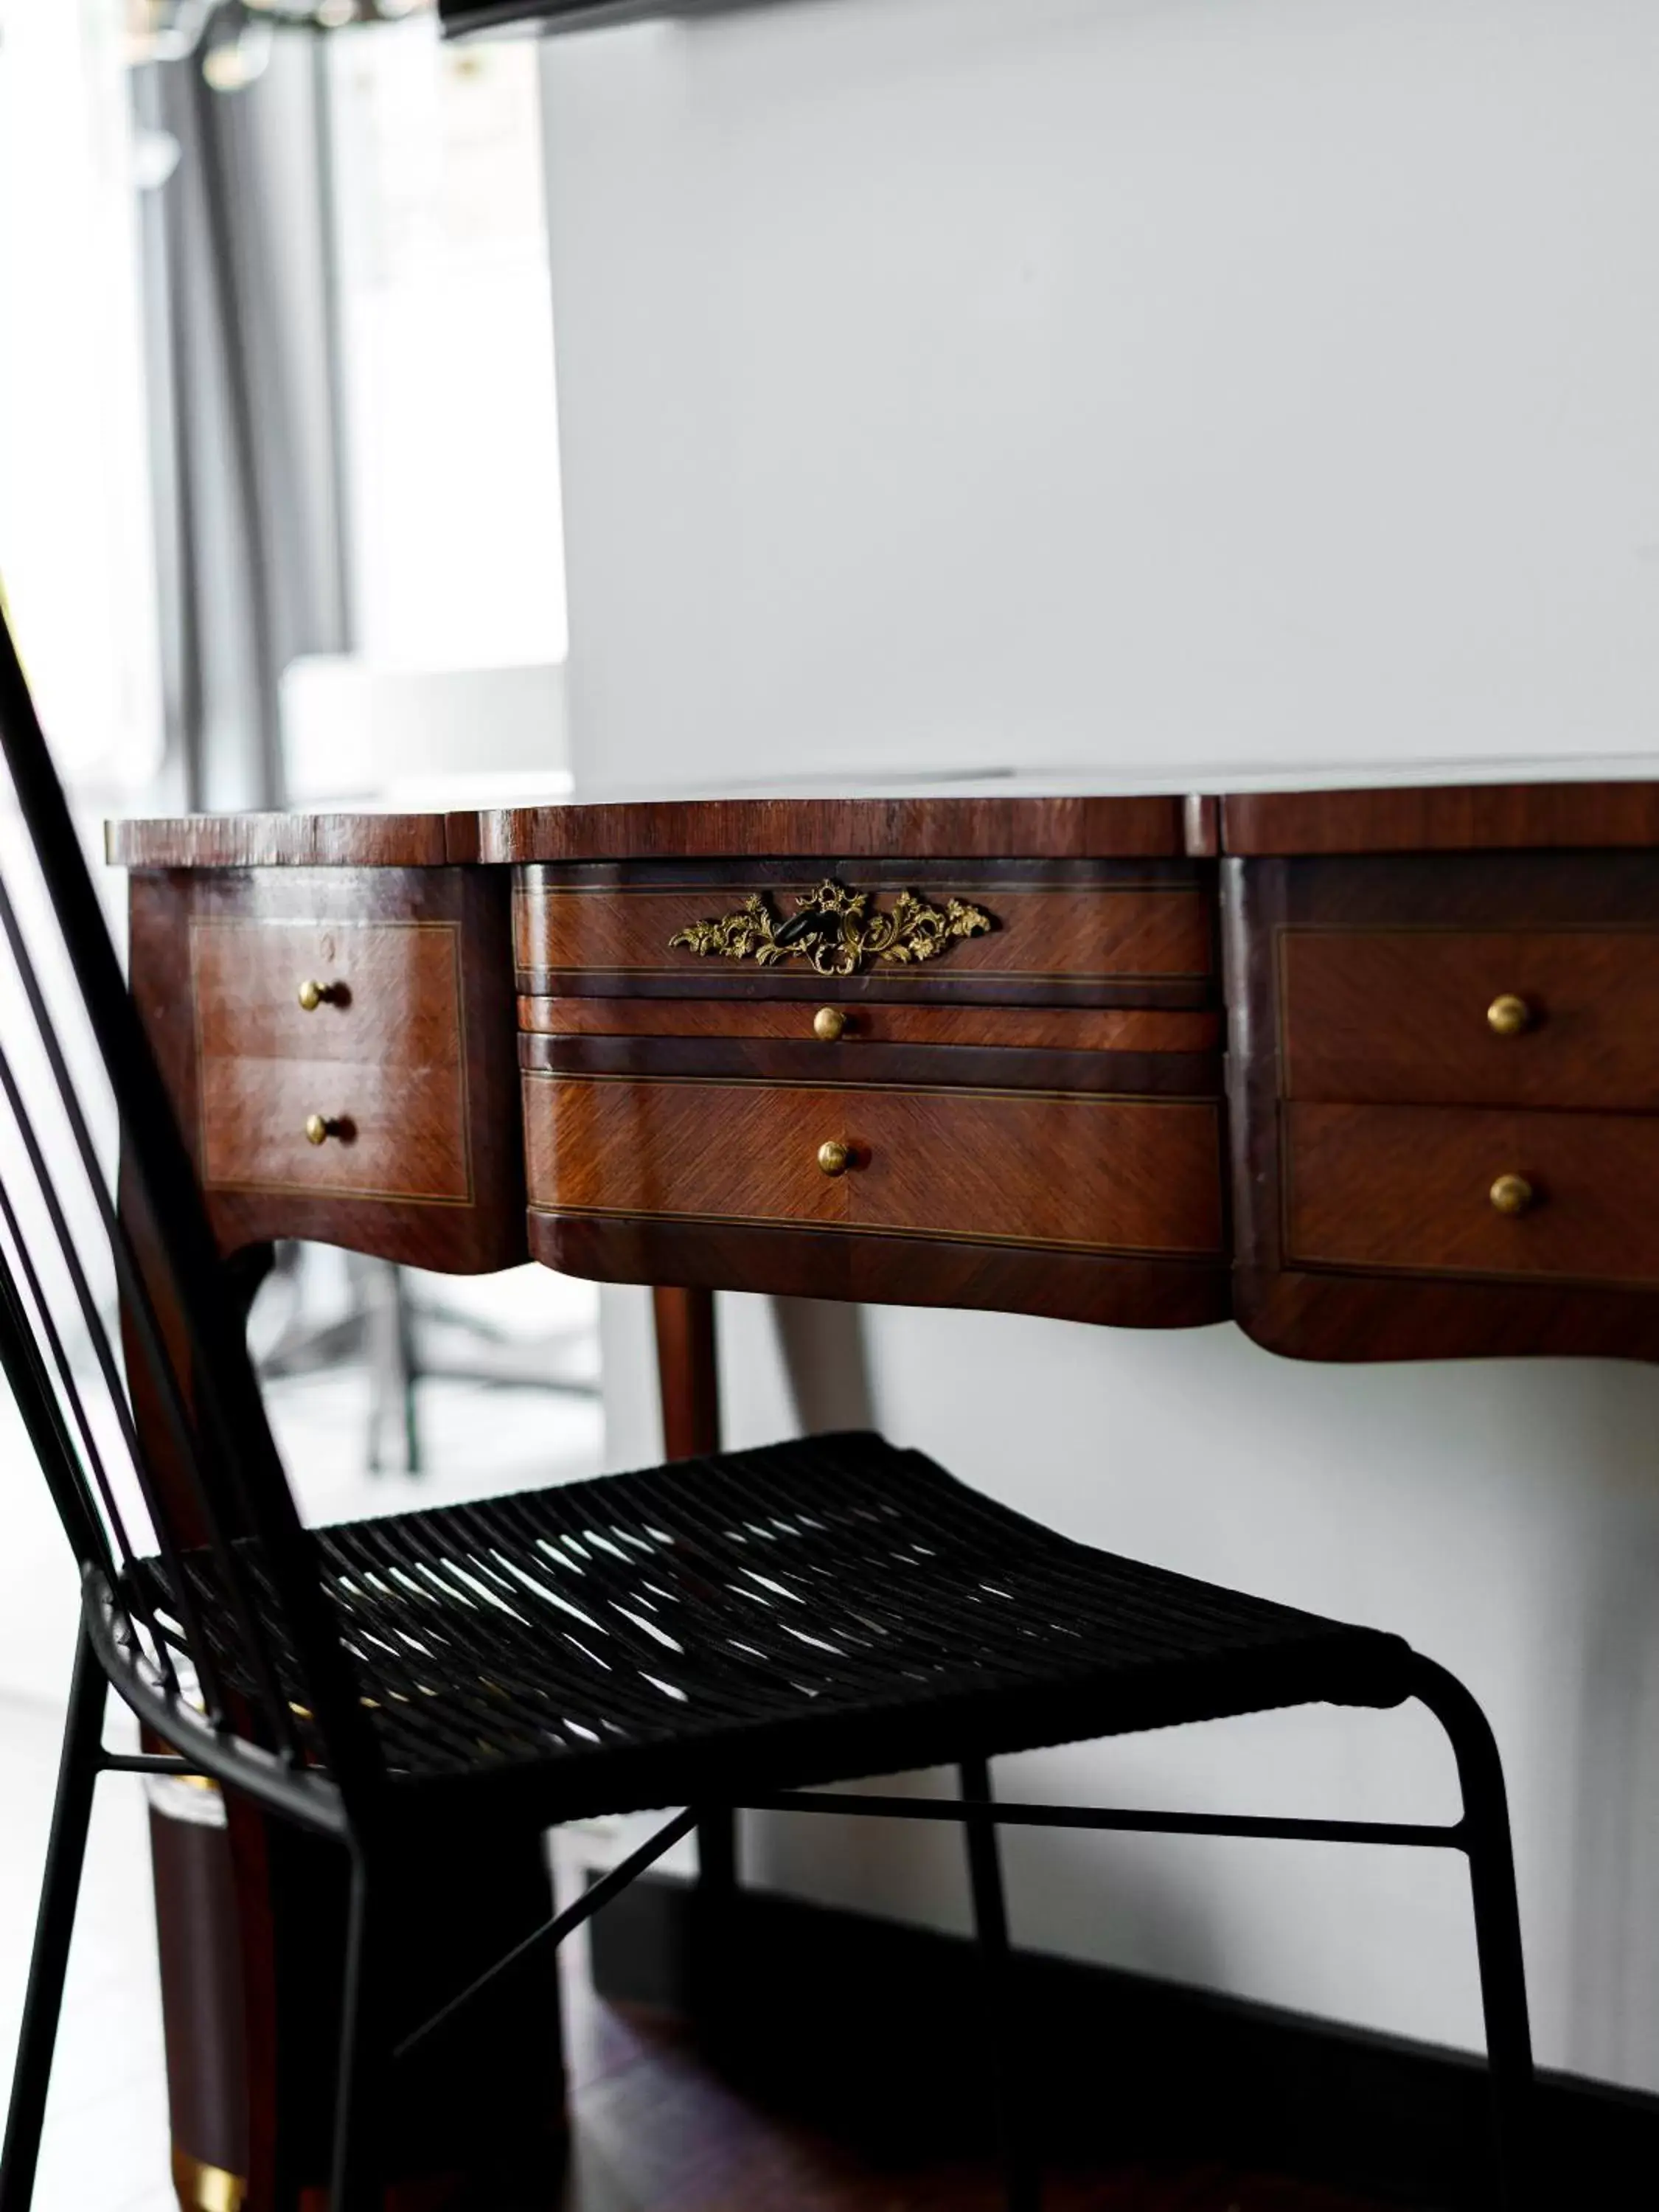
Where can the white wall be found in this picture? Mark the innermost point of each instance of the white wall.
(1117, 386)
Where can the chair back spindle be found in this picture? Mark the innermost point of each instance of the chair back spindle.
(219, 1630)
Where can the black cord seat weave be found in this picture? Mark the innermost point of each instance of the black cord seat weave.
(810, 1612)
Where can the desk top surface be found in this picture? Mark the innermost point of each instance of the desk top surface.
(1068, 825)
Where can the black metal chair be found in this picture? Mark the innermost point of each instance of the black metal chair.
(718, 1633)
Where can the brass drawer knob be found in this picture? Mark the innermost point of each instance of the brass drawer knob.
(313, 994)
(829, 1023)
(1507, 1016)
(1512, 1195)
(834, 1157)
(320, 1128)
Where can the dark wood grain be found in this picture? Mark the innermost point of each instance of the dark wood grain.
(1083, 1173)
(1528, 816)
(1326, 1315)
(469, 910)
(1416, 1266)
(821, 2113)
(1091, 936)
(395, 1133)
(1055, 1028)
(822, 1263)
(937, 874)
(1082, 828)
(1407, 1187)
(394, 988)
(1357, 975)
(1128, 1074)
(710, 980)
(1442, 818)
(1401, 1015)
(292, 841)
(1201, 824)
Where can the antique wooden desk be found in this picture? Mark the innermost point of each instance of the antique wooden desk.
(1374, 1073)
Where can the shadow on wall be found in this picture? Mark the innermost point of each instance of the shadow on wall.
(1503, 1515)
(826, 1364)
(1612, 2002)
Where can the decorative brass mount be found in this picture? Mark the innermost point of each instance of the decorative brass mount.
(833, 928)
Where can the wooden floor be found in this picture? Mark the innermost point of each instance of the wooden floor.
(658, 2130)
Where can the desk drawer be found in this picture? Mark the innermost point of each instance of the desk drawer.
(1101, 934)
(391, 991)
(1411, 1188)
(1426, 1017)
(1100, 1173)
(390, 1132)
(1029, 1029)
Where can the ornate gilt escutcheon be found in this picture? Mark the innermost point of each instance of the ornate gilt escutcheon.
(834, 929)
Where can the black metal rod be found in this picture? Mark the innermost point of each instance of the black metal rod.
(305, 1794)
(135, 1291)
(1496, 1931)
(231, 1412)
(73, 1470)
(717, 1857)
(150, 1762)
(1022, 2175)
(42, 1417)
(356, 2181)
(1406, 1832)
(71, 1815)
(560, 1925)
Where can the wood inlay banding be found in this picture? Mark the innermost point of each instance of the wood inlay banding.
(1055, 1028)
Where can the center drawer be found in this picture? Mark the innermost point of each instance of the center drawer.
(1010, 932)
(1088, 1173)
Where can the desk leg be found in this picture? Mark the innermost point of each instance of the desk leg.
(688, 1373)
(250, 1915)
(688, 1378)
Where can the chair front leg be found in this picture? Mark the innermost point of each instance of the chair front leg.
(77, 1775)
(1496, 1931)
(358, 2182)
(1022, 2175)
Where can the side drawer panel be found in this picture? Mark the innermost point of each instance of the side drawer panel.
(394, 990)
(1409, 1187)
(1402, 1015)
(400, 1133)
(416, 1064)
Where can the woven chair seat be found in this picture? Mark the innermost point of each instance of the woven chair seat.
(810, 1612)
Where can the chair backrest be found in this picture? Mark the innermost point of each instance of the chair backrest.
(230, 1640)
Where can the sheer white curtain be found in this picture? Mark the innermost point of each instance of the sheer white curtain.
(75, 552)
(76, 570)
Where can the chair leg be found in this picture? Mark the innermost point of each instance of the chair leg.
(77, 1774)
(1496, 1932)
(357, 2183)
(1021, 2176)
